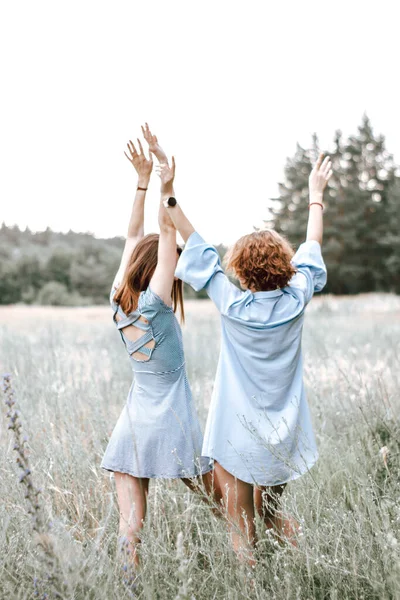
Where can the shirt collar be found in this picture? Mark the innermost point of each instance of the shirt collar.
(269, 294)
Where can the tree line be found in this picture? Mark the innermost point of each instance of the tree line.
(69, 269)
(361, 237)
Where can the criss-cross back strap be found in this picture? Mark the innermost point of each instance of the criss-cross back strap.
(138, 345)
(132, 318)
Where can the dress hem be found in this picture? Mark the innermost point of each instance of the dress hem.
(253, 482)
(124, 472)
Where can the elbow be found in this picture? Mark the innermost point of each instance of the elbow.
(314, 238)
(166, 225)
(135, 233)
(321, 281)
(167, 228)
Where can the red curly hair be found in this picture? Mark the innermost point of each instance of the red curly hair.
(261, 261)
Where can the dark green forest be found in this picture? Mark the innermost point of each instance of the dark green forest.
(71, 269)
(56, 268)
(361, 239)
(361, 245)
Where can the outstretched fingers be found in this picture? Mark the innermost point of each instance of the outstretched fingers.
(161, 168)
(319, 161)
(142, 151)
(148, 136)
(146, 132)
(131, 147)
(140, 146)
(326, 167)
(165, 172)
(132, 151)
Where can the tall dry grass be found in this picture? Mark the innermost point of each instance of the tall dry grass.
(71, 378)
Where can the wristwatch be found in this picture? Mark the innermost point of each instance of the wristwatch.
(171, 201)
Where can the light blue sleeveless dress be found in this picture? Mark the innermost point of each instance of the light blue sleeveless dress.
(158, 432)
(259, 427)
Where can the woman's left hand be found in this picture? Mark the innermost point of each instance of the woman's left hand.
(320, 175)
(141, 164)
(167, 175)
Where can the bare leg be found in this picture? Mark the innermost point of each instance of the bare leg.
(267, 503)
(206, 484)
(239, 505)
(132, 500)
(207, 487)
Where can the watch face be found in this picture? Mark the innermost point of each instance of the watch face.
(171, 201)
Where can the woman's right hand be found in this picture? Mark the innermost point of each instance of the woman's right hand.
(154, 146)
(320, 175)
(141, 164)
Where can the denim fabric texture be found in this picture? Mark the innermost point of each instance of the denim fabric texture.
(259, 427)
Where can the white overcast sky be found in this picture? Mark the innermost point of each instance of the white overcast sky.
(229, 87)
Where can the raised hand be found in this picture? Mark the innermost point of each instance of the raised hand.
(167, 175)
(141, 164)
(154, 146)
(320, 175)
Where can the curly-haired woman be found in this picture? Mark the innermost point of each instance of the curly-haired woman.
(258, 433)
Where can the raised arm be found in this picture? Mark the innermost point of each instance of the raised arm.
(143, 168)
(319, 178)
(163, 278)
(178, 217)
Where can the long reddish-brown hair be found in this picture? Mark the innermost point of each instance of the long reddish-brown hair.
(261, 260)
(138, 273)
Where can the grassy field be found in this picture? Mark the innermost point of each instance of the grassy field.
(71, 377)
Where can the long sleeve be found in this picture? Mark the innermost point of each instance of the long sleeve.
(199, 265)
(311, 273)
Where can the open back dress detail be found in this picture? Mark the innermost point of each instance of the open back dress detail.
(158, 432)
(259, 427)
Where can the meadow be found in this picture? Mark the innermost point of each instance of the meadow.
(71, 377)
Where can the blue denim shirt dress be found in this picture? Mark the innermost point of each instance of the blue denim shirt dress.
(258, 427)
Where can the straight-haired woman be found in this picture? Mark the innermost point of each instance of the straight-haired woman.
(158, 433)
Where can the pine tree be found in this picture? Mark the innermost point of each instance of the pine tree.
(361, 220)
